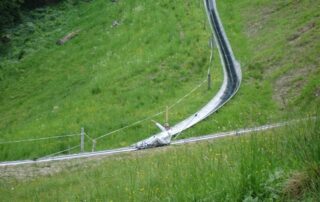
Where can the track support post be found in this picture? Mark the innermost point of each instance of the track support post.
(94, 143)
(82, 140)
(209, 81)
(167, 116)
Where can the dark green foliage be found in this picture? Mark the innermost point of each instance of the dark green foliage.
(10, 10)
(31, 4)
(9, 13)
(95, 91)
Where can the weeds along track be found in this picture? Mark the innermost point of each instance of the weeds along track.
(231, 81)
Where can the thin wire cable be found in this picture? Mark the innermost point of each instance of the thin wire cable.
(38, 139)
(125, 127)
(59, 152)
(211, 55)
(186, 95)
(170, 107)
(131, 125)
(209, 69)
(150, 117)
(182, 129)
(88, 136)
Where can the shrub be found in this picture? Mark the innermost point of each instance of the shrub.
(31, 4)
(9, 12)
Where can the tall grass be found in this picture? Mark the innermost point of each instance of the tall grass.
(258, 167)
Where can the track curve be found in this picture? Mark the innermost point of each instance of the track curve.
(231, 81)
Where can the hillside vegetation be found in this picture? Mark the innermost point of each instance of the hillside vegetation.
(129, 61)
(110, 76)
(132, 59)
(277, 44)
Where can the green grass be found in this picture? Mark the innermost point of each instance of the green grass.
(258, 167)
(280, 75)
(107, 78)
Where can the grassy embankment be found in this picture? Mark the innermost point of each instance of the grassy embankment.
(277, 44)
(105, 78)
(273, 41)
(109, 77)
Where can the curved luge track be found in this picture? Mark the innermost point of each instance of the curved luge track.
(231, 82)
(230, 64)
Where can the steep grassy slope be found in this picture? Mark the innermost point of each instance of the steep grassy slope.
(109, 77)
(277, 44)
(129, 61)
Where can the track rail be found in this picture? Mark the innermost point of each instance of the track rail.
(230, 86)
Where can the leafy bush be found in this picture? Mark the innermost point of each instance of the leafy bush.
(9, 12)
(31, 4)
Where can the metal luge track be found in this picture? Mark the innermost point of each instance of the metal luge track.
(69, 157)
(231, 81)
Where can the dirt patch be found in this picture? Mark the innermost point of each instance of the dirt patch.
(301, 31)
(301, 181)
(265, 14)
(28, 172)
(257, 19)
(295, 185)
(253, 27)
(288, 86)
